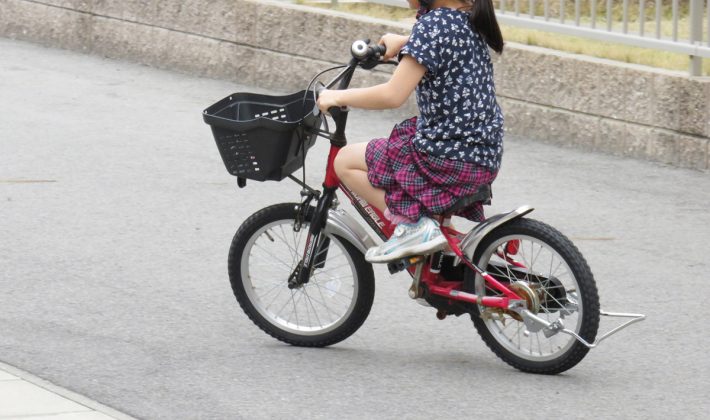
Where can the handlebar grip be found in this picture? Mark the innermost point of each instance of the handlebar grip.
(379, 50)
(334, 110)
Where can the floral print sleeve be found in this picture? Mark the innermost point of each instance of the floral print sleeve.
(423, 46)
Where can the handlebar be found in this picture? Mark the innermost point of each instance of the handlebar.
(360, 50)
(365, 56)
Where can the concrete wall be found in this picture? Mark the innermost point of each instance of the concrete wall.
(559, 98)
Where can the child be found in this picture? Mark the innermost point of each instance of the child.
(456, 143)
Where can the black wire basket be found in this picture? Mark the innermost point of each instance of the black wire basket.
(263, 137)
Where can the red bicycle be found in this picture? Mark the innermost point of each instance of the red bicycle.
(298, 269)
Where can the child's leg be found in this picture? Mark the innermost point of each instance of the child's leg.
(351, 167)
(396, 218)
(409, 238)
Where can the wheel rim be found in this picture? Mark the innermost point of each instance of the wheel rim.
(317, 307)
(547, 274)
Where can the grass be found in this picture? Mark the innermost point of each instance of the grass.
(577, 45)
(367, 9)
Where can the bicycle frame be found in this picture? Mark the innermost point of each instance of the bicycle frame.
(421, 271)
(420, 266)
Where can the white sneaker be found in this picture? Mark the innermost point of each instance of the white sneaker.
(421, 238)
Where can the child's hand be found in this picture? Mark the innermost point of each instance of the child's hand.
(393, 43)
(328, 99)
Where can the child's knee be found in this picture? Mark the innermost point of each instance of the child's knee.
(343, 161)
(339, 164)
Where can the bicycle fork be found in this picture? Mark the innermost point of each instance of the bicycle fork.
(317, 243)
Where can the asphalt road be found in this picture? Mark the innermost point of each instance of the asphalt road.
(116, 216)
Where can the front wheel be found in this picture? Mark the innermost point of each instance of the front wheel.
(334, 303)
(545, 268)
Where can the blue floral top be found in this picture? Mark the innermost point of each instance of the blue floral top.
(459, 116)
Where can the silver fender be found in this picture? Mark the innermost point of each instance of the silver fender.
(473, 238)
(344, 225)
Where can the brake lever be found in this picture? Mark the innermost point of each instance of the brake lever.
(317, 89)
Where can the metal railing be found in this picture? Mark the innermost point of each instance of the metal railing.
(679, 26)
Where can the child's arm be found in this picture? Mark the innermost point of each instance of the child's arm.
(385, 96)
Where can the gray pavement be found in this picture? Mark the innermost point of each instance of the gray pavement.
(116, 216)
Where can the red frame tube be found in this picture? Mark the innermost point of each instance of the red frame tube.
(452, 238)
(331, 178)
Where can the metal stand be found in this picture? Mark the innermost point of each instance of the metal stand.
(533, 323)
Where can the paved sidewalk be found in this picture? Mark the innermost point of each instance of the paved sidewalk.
(23, 395)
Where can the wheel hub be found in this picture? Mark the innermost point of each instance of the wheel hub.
(531, 298)
(526, 293)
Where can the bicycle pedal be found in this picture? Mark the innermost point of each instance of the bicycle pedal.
(401, 265)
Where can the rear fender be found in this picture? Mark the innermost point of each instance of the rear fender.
(475, 236)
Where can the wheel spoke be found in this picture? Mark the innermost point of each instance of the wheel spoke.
(274, 300)
(518, 333)
(295, 308)
(539, 345)
(315, 313)
(272, 256)
(528, 266)
(328, 278)
(297, 238)
(333, 268)
(553, 273)
(337, 293)
(267, 264)
(511, 276)
(293, 250)
(327, 308)
(553, 298)
(274, 286)
(508, 324)
(326, 249)
(535, 257)
(278, 313)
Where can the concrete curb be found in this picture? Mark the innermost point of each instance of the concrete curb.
(64, 393)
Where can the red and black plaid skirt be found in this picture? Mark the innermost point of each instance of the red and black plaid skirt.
(417, 184)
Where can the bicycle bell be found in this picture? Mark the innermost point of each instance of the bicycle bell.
(359, 49)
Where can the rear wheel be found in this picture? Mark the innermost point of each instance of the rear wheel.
(548, 271)
(329, 308)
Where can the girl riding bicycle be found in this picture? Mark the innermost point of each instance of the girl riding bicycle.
(456, 143)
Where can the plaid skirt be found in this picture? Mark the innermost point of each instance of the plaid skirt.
(417, 184)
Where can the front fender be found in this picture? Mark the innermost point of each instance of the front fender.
(473, 238)
(342, 224)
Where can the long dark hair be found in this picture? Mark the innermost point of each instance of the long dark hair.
(483, 19)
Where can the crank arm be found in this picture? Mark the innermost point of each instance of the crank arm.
(534, 323)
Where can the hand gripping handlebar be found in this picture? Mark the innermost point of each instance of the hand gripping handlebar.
(365, 56)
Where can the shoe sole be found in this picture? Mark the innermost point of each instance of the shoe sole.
(421, 249)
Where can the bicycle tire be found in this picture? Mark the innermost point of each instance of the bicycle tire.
(579, 291)
(242, 281)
